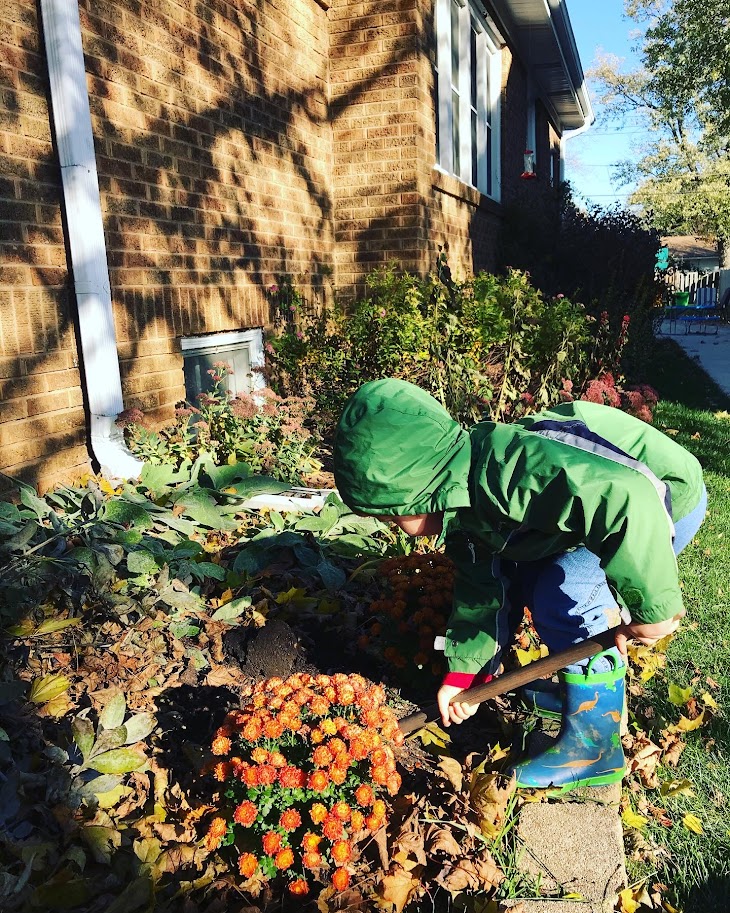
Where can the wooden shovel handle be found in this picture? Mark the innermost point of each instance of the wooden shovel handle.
(548, 665)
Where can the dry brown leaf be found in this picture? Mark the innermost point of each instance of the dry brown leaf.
(441, 840)
(451, 769)
(222, 677)
(397, 889)
(644, 756)
(475, 874)
(672, 748)
(490, 792)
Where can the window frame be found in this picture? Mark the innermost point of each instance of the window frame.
(459, 162)
(223, 344)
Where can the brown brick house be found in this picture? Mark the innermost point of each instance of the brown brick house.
(209, 147)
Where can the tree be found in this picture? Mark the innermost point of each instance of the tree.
(682, 90)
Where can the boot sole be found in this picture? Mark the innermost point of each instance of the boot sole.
(602, 780)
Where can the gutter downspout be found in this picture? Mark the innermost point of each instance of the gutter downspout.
(590, 118)
(82, 202)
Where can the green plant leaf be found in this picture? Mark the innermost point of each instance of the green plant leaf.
(118, 761)
(679, 696)
(112, 716)
(257, 485)
(102, 841)
(141, 562)
(232, 610)
(46, 688)
(137, 897)
(106, 740)
(124, 512)
(206, 570)
(51, 625)
(223, 476)
(139, 727)
(83, 734)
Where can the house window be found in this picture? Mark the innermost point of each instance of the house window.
(241, 349)
(468, 79)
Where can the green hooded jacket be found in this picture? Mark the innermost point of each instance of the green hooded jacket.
(579, 474)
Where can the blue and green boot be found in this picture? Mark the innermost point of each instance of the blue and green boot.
(588, 750)
(543, 697)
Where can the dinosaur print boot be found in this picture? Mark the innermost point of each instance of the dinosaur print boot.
(588, 750)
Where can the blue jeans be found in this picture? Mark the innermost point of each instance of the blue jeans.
(568, 594)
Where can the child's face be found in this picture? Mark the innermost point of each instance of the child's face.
(418, 524)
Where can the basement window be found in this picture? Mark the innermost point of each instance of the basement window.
(243, 350)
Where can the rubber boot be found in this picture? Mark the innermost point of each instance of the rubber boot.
(543, 697)
(588, 750)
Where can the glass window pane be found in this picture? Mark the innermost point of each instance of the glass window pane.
(455, 10)
(456, 136)
(473, 67)
(474, 156)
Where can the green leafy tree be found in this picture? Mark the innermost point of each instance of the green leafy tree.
(682, 93)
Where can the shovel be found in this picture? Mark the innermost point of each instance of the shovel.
(548, 665)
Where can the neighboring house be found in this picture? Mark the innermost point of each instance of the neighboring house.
(691, 254)
(235, 143)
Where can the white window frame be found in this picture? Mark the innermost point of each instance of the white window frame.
(221, 344)
(489, 84)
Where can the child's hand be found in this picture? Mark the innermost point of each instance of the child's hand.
(453, 713)
(646, 634)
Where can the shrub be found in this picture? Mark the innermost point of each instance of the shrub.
(269, 434)
(477, 346)
(304, 767)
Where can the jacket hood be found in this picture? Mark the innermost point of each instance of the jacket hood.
(398, 452)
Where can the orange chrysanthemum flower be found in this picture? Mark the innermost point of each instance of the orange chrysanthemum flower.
(216, 833)
(260, 755)
(273, 729)
(310, 841)
(221, 745)
(298, 887)
(245, 814)
(337, 774)
(341, 852)
(318, 813)
(373, 823)
(316, 736)
(370, 718)
(345, 694)
(247, 864)
(379, 775)
(319, 705)
(312, 859)
(341, 810)
(284, 859)
(321, 756)
(328, 726)
(277, 759)
(266, 775)
(364, 795)
(259, 700)
(252, 730)
(336, 746)
(359, 749)
(271, 842)
(318, 781)
(332, 828)
(250, 775)
(379, 809)
(292, 777)
(290, 819)
(222, 770)
(340, 879)
(357, 821)
(330, 692)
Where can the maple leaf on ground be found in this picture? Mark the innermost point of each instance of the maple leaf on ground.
(643, 758)
(396, 889)
(672, 747)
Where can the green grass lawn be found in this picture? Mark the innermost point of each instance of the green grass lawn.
(697, 869)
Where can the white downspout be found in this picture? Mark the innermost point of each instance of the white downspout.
(75, 143)
(590, 118)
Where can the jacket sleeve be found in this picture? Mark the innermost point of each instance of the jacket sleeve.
(479, 607)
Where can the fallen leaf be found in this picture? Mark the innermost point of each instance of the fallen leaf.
(490, 793)
(672, 748)
(692, 823)
(441, 840)
(451, 768)
(631, 819)
(708, 700)
(686, 725)
(679, 696)
(396, 889)
(47, 688)
(676, 788)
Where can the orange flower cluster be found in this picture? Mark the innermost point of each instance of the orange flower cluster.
(415, 608)
(306, 760)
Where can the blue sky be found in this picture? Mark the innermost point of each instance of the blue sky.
(600, 25)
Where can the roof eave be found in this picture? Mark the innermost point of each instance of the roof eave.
(541, 33)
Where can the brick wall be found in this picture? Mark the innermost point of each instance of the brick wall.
(214, 155)
(41, 416)
(377, 103)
